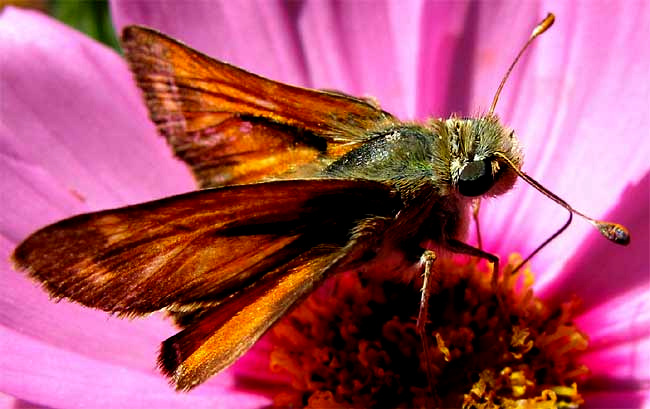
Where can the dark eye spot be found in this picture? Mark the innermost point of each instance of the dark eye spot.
(476, 178)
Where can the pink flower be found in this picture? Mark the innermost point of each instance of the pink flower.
(75, 138)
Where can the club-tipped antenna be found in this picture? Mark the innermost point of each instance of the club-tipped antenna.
(539, 29)
(612, 231)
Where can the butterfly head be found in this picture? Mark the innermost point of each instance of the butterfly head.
(482, 153)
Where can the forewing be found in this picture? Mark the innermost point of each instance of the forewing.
(235, 127)
(195, 248)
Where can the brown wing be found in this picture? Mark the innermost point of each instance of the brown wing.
(224, 333)
(196, 248)
(234, 127)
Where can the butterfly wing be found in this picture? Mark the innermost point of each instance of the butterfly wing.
(195, 249)
(233, 127)
(222, 334)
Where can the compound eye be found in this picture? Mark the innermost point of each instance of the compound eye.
(476, 178)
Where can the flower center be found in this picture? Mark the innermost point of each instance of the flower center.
(354, 343)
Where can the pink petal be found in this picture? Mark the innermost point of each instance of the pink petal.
(617, 399)
(354, 47)
(608, 383)
(43, 374)
(67, 148)
(598, 269)
(583, 127)
(70, 108)
(75, 137)
(26, 308)
(619, 336)
(35, 199)
(563, 87)
(465, 50)
(362, 48)
(619, 351)
(9, 402)
(258, 36)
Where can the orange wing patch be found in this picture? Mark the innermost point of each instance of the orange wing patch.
(219, 337)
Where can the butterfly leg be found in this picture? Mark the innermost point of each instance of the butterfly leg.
(426, 260)
(476, 207)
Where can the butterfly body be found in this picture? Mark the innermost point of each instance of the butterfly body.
(424, 164)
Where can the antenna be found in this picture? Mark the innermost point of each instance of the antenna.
(612, 231)
(539, 29)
